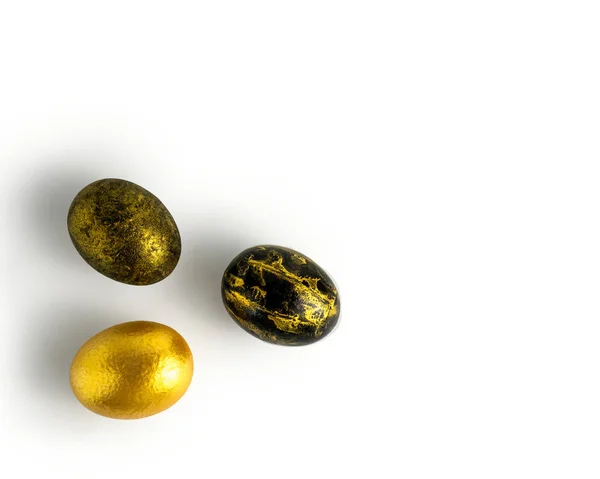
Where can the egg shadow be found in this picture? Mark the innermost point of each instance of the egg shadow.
(55, 334)
(204, 259)
(49, 192)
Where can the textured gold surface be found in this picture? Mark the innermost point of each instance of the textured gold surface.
(280, 296)
(132, 370)
(124, 232)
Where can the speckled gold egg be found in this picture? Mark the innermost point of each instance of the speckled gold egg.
(132, 370)
(124, 232)
(280, 296)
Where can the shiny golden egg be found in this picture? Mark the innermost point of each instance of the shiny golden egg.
(280, 296)
(132, 370)
(124, 232)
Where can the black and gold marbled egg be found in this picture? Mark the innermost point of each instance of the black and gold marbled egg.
(280, 296)
(124, 232)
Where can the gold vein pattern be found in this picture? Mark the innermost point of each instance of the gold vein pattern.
(280, 296)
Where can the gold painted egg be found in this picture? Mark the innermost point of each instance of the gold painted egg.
(124, 232)
(132, 370)
(280, 296)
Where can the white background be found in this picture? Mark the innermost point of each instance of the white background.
(439, 159)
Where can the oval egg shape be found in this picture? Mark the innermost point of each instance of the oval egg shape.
(124, 232)
(132, 370)
(280, 296)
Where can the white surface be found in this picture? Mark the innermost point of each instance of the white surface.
(440, 159)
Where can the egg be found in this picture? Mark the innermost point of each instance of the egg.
(132, 370)
(124, 232)
(280, 296)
